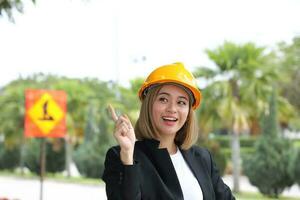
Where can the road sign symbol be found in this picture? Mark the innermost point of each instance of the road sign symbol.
(45, 113)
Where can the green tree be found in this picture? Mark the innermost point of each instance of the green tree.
(290, 71)
(236, 92)
(12, 119)
(267, 169)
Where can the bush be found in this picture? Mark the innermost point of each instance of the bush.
(225, 141)
(244, 151)
(267, 167)
(294, 168)
(9, 158)
(55, 155)
(89, 159)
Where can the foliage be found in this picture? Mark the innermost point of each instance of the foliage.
(241, 79)
(294, 168)
(290, 68)
(267, 168)
(80, 95)
(12, 112)
(245, 141)
(12, 115)
(9, 158)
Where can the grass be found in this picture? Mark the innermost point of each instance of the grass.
(91, 181)
(53, 177)
(252, 196)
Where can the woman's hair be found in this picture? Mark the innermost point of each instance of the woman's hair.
(145, 129)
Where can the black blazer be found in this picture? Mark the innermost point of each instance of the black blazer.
(153, 177)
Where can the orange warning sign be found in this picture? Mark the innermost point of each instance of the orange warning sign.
(45, 113)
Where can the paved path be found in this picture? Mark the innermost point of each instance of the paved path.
(28, 189)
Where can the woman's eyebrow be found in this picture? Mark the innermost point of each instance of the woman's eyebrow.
(183, 97)
(161, 93)
(168, 94)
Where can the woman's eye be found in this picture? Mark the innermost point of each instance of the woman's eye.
(162, 99)
(182, 103)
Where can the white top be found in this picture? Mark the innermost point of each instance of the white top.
(188, 182)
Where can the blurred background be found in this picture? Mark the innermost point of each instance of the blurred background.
(244, 54)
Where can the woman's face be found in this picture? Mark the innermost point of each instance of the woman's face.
(170, 109)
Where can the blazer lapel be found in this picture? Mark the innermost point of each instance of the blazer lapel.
(162, 161)
(196, 163)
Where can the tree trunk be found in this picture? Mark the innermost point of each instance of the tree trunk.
(235, 152)
(22, 155)
(68, 147)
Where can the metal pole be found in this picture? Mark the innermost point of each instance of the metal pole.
(236, 161)
(42, 164)
(22, 153)
(68, 154)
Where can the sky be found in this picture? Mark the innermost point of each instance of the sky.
(122, 39)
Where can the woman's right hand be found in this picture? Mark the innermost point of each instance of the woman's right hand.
(125, 136)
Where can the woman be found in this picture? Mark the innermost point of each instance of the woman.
(162, 164)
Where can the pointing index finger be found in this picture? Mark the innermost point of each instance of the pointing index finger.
(113, 114)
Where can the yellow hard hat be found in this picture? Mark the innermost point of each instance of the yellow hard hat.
(173, 73)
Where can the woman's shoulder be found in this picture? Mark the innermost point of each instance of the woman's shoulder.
(200, 151)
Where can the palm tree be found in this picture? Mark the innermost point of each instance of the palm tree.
(236, 92)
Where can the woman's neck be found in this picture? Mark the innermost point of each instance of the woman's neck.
(169, 144)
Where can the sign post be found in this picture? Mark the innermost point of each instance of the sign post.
(42, 165)
(45, 117)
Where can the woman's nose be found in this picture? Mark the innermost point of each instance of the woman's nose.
(171, 107)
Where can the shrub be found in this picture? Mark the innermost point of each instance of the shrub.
(267, 167)
(9, 158)
(225, 141)
(89, 159)
(294, 168)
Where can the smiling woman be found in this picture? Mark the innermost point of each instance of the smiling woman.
(163, 163)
